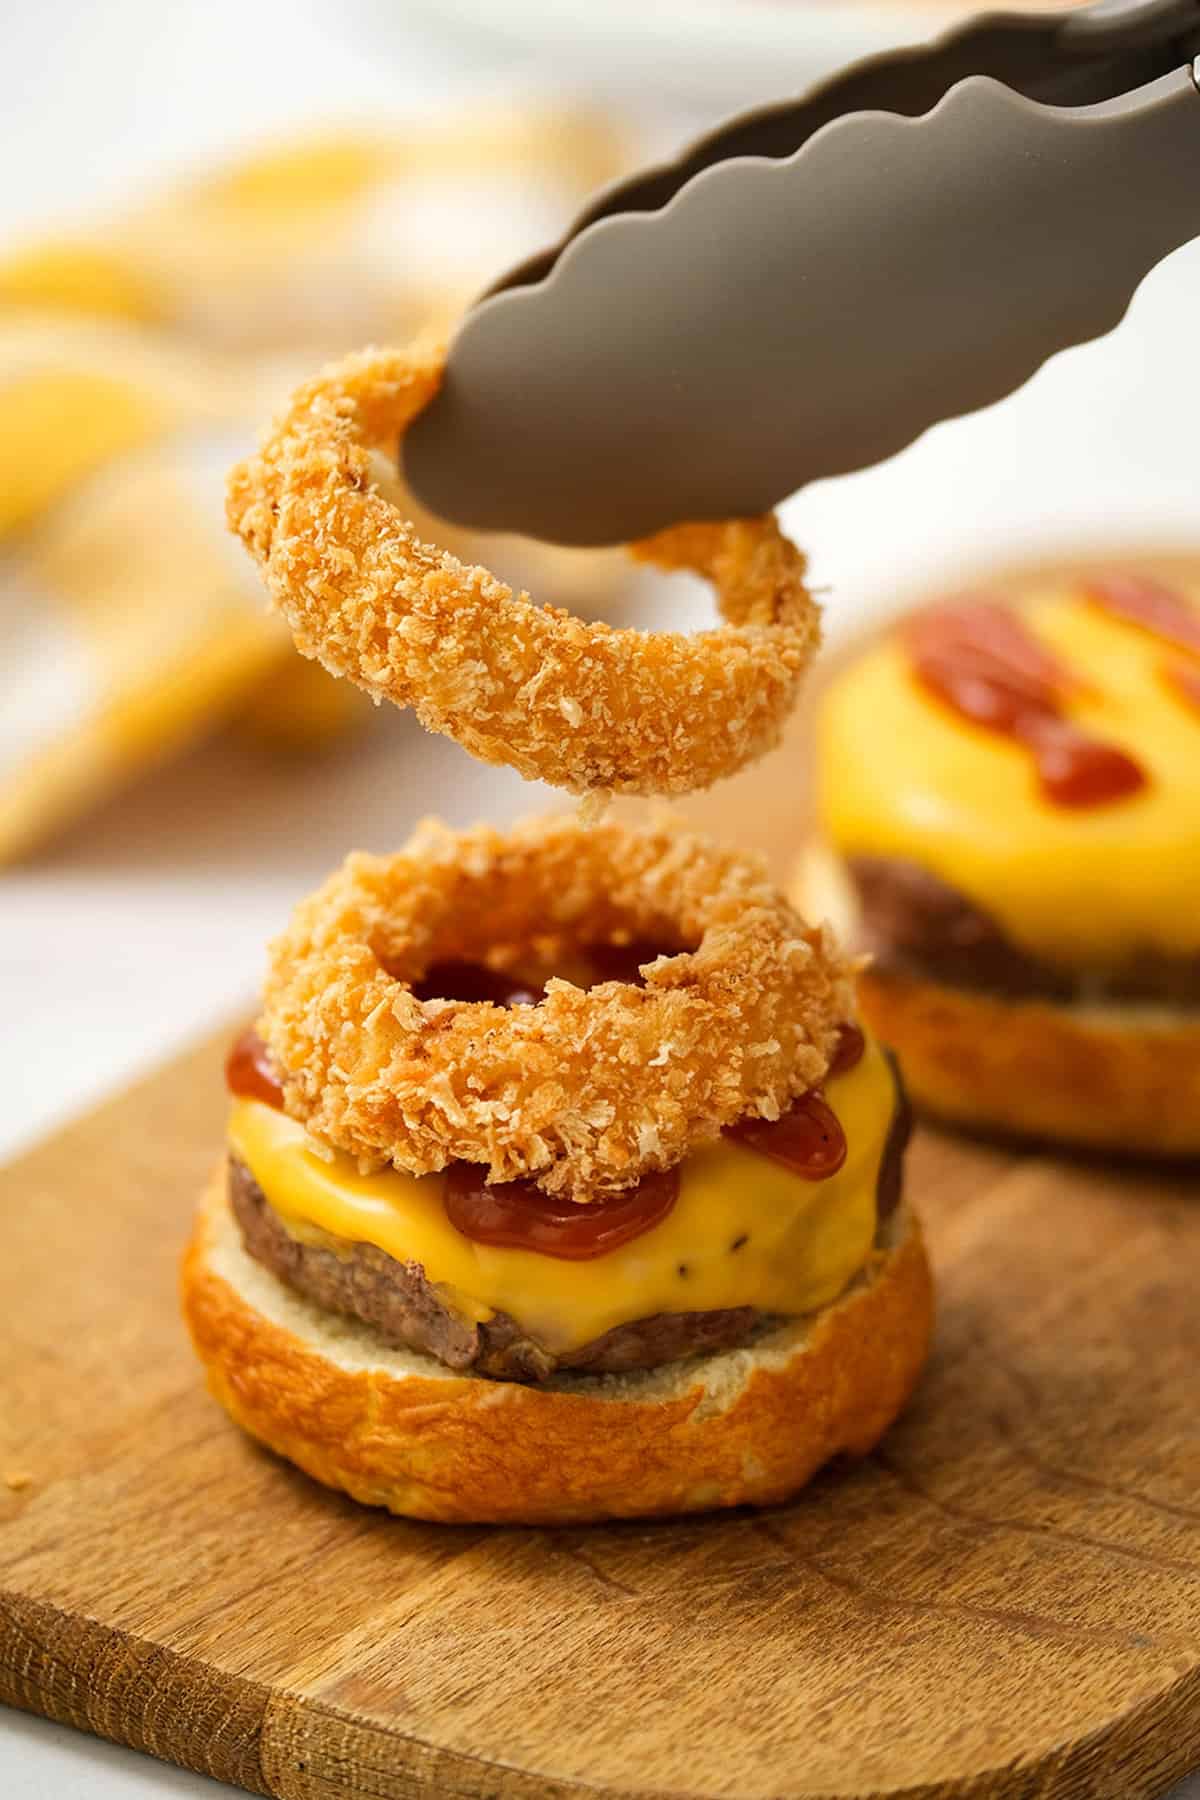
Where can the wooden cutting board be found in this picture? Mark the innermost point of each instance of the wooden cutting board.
(1004, 1601)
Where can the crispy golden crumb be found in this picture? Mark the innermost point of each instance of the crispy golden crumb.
(583, 706)
(590, 1089)
(17, 1480)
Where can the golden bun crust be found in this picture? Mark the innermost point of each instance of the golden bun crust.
(396, 1429)
(1123, 1078)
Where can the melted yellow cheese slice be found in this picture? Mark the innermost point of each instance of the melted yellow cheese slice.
(798, 1242)
(901, 775)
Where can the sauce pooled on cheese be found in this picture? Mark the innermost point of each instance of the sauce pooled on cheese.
(249, 1073)
(1164, 614)
(979, 659)
(519, 1216)
(1151, 605)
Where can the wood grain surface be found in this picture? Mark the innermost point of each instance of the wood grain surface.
(1004, 1601)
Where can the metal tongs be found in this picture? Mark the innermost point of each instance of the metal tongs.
(808, 289)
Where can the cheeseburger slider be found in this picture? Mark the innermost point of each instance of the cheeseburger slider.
(561, 1185)
(1010, 795)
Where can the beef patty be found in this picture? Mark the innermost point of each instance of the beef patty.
(406, 1308)
(917, 924)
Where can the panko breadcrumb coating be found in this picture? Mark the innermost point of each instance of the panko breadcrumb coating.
(590, 1089)
(585, 706)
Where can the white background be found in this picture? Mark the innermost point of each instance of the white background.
(147, 924)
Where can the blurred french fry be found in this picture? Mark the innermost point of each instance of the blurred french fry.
(303, 242)
(300, 710)
(59, 425)
(116, 660)
(139, 359)
(76, 394)
(97, 280)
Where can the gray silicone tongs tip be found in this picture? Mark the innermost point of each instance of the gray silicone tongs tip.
(907, 243)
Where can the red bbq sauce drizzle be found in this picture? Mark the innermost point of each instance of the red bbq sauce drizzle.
(519, 1216)
(623, 962)
(1164, 614)
(848, 1051)
(1151, 605)
(249, 1073)
(978, 658)
(469, 981)
(807, 1140)
(474, 982)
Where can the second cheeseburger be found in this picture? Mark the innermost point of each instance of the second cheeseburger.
(560, 1185)
(1010, 790)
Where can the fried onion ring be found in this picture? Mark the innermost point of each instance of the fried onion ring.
(590, 1089)
(587, 707)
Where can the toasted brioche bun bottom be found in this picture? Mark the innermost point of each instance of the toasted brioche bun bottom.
(394, 1428)
(1123, 1078)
